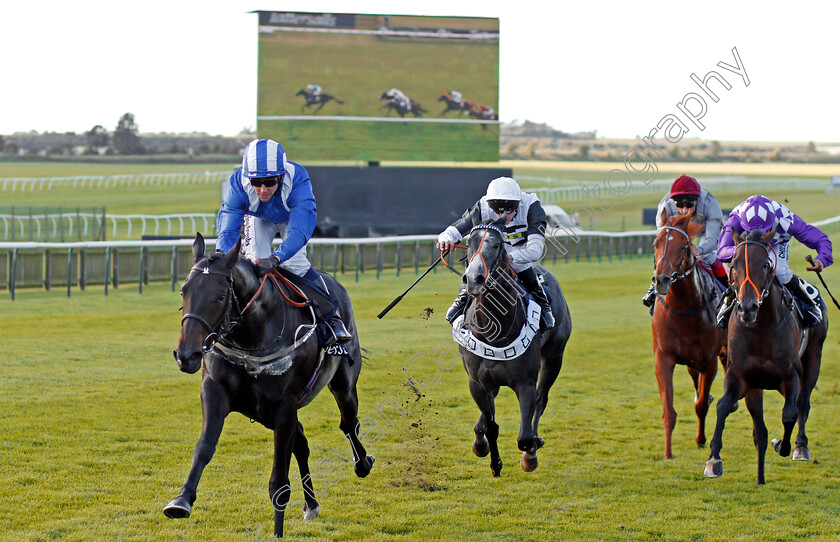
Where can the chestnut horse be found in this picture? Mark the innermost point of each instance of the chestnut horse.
(684, 329)
(767, 350)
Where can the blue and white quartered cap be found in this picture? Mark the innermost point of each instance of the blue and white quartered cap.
(263, 158)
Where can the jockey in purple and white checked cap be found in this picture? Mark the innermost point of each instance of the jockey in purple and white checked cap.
(761, 213)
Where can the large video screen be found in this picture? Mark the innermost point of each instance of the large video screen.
(336, 86)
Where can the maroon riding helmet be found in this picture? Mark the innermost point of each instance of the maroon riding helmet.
(685, 186)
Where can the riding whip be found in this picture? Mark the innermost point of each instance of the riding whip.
(811, 261)
(399, 297)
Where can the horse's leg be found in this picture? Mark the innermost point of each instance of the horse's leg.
(665, 379)
(343, 388)
(701, 404)
(755, 405)
(549, 369)
(311, 508)
(790, 412)
(733, 390)
(215, 406)
(811, 371)
(484, 399)
(526, 394)
(279, 490)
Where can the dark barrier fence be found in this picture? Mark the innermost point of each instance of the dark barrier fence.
(121, 263)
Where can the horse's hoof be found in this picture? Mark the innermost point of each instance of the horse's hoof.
(801, 453)
(529, 462)
(782, 447)
(496, 467)
(481, 447)
(177, 508)
(311, 513)
(363, 466)
(538, 443)
(714, 468)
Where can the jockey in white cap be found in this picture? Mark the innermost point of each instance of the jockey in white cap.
(524, 235)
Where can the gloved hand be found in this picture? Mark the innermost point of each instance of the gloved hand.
(267, 265)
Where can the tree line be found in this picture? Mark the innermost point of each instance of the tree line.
(124, 140)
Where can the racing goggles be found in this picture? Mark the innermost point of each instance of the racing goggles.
(685, 202)
(268, 182)
(503, 206)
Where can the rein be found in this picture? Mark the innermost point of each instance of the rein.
(488, 271)
(220, 331)
(766, 288)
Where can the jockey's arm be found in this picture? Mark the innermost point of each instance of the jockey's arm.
(813, 238)
(231, 214)
(714, 223)
(302, 219)
(726, 246)
(461, 227)
(533, 249)
(662, 205)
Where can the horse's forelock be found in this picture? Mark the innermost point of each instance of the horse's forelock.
(755, 235)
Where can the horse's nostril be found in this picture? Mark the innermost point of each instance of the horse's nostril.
(479, 279)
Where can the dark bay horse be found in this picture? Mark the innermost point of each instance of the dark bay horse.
(453, 103)
(316, 99)
(684, 329)
(767, 350)
(402, 104)
(497, 317)
(262, 359)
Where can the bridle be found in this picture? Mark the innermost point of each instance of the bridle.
(489, 270)
(765, 290)
(686, 268)
(225, 324)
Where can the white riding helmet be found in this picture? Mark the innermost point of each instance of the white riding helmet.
(503, 195)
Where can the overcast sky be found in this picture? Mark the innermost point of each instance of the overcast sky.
(614, 67)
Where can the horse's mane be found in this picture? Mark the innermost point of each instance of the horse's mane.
(684, 223)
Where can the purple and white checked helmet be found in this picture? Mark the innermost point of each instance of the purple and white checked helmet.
(263, 158)
(758, 214)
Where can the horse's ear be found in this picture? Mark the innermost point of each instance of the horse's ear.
(232, 255)
(736, 237)
(198, 247)
(663, 217)
(768, 237)
(499, 222)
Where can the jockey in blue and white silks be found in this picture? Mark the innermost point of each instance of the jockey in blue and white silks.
(524, 236)
(267, 196)
(760, 213)
(291, 210)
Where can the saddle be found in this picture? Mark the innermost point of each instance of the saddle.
(322, 306)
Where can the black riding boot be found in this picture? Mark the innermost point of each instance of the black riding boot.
(528, 277)
(726, 306)
(812, 314)
(337, 329)
(650, 296)
(458, 305)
